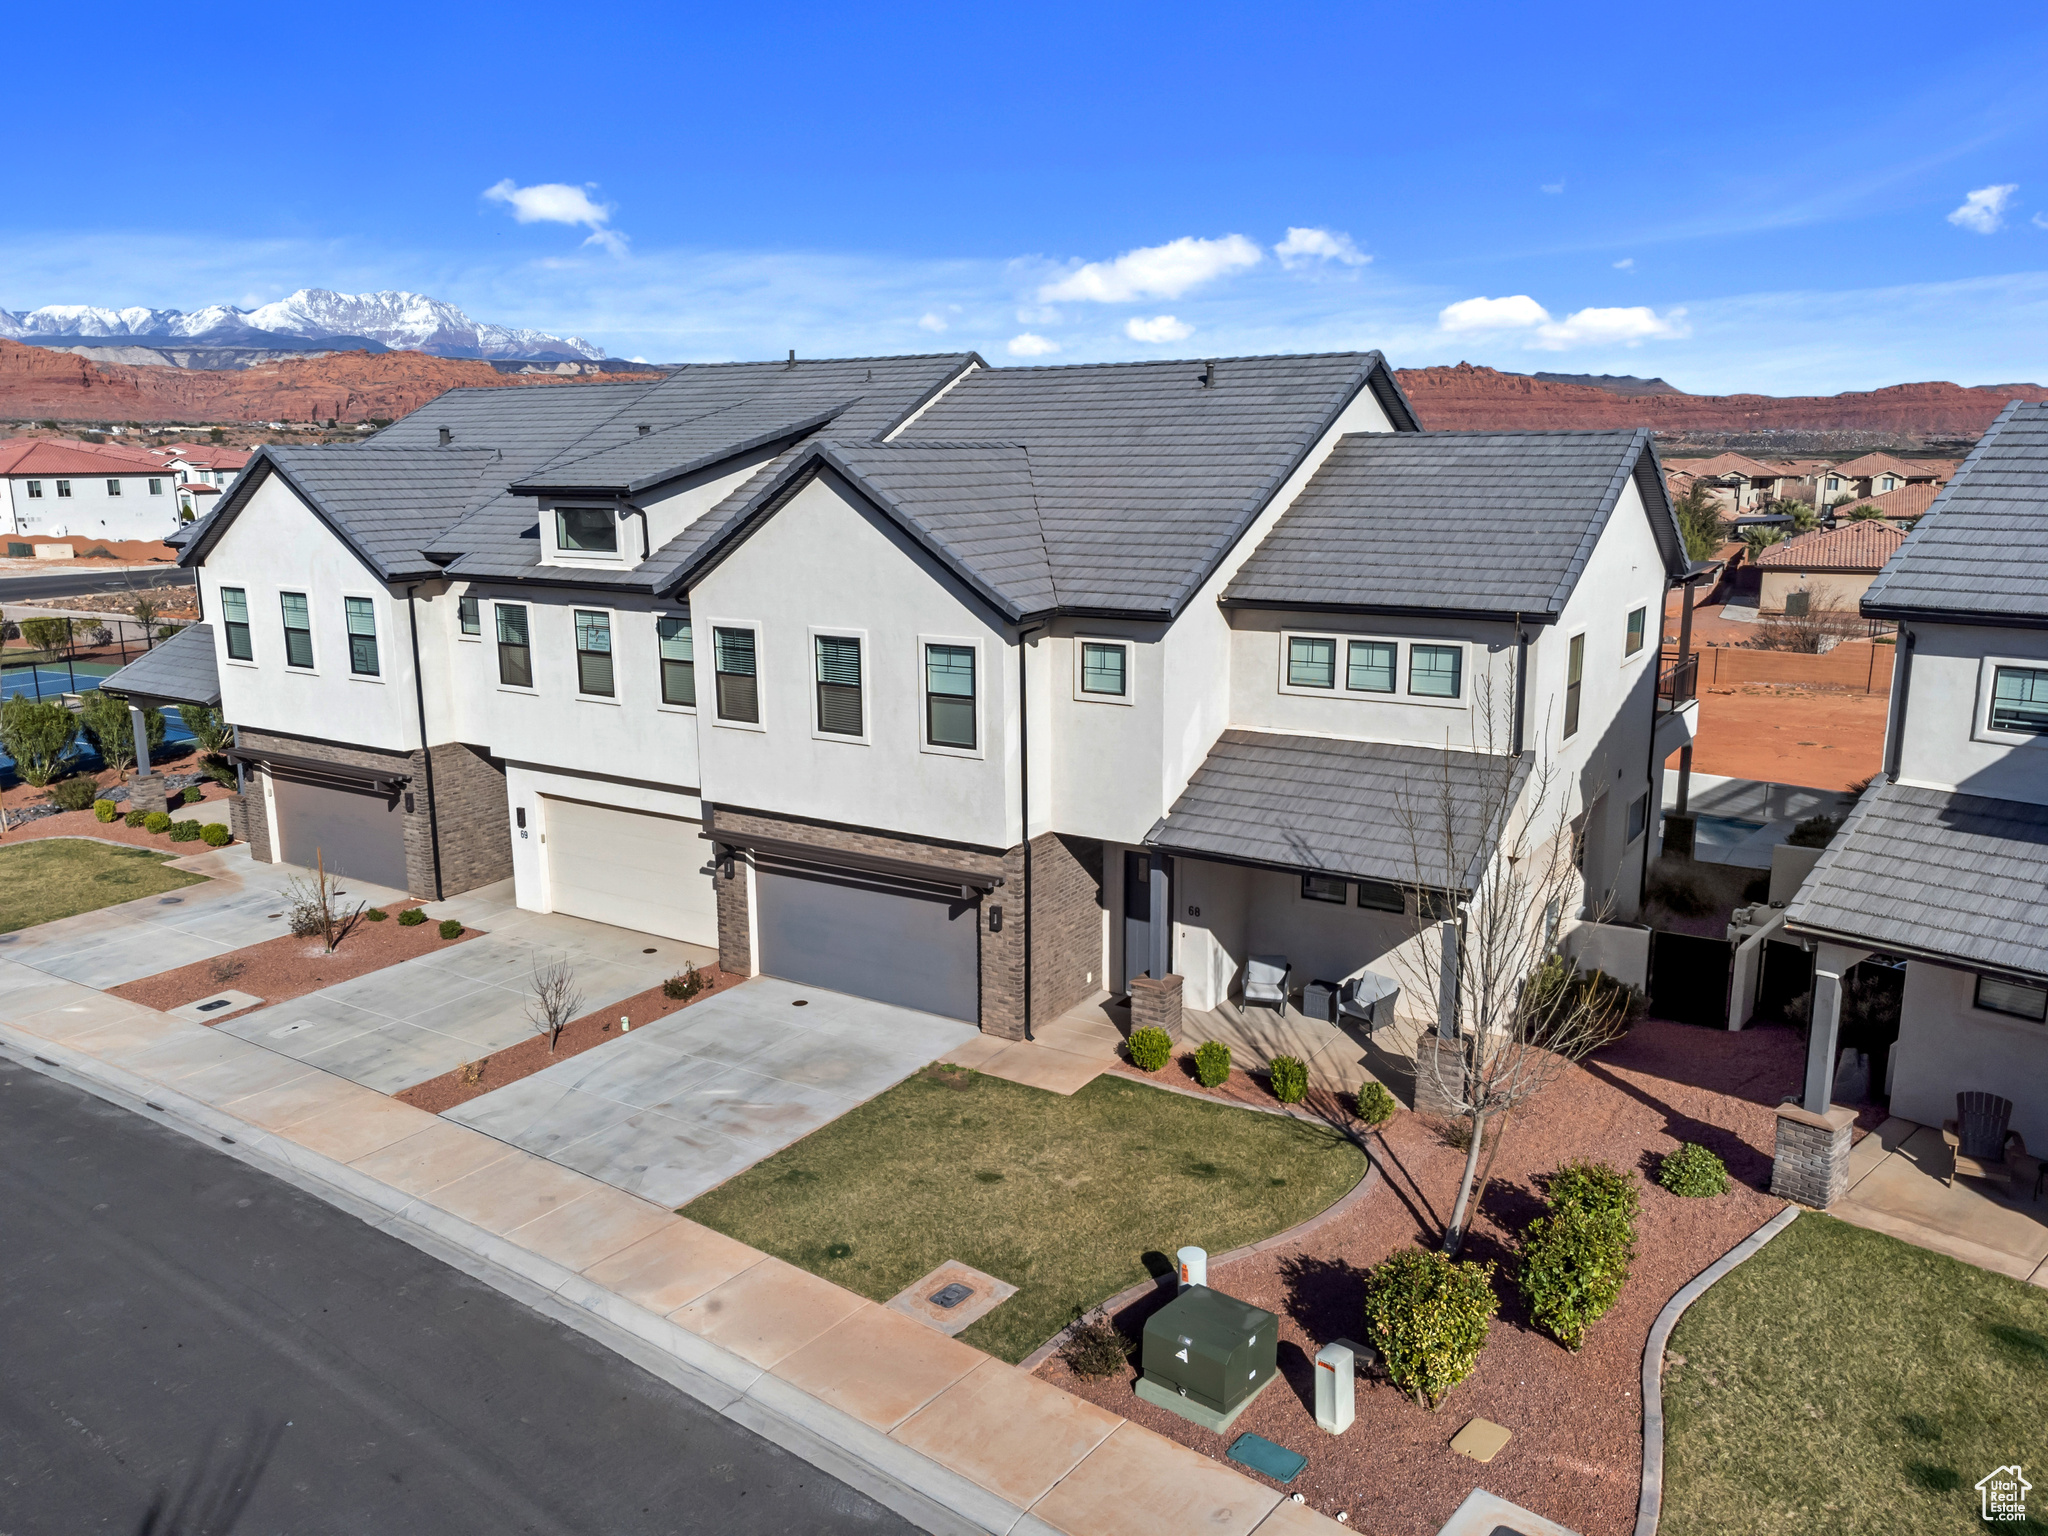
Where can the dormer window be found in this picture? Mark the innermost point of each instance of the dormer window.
(586, 531)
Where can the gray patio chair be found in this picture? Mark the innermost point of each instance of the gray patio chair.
(1265, 981)
(1368, 998)
(1982, 1147)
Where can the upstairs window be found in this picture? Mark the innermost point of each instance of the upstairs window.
(2019, 699)
(1638, 625)
(678, 662)
(732, 660)
(586, 531)
(839, 701)
(1322, 888)
(113, 487)
(234, 618)
(1574, 674)
(949, 696)
(1436, 671)
(1104, 666)
(466, 612)
(594, 653)
(1311, 661)
(298, 630)
(515, 651)
(63, 489)
(361, 616)
(1369, 667)
(156, 487)
(35, 490)
(2017, 998)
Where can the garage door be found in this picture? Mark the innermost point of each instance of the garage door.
(355, 832)
(870, 938)
(631, 869)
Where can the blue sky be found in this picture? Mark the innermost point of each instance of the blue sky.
(1773, 198)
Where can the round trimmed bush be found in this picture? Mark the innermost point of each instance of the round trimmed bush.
(411, 917)
(450, 929)
(192, 794)
(1289, 1078)
(1574, 1263)
(1694, 1172)
(1428, 1315)
(1595, 1187)
(134, 818)
(106, 810)
(73, 794)
(1150, 1048)
(377, 915)
(157, 821)
(1376, 1105)
(214, 835)
(184, 831)
(1212, 1063)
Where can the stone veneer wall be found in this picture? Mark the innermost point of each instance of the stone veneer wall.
(1812, 1161)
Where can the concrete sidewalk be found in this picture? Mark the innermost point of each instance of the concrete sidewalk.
(973, 1443)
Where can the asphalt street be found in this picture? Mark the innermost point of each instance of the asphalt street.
(189, 1345)
(29, 589)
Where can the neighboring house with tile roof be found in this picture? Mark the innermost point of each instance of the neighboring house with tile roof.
(1743, 482)
(1830, 567)
(1875, 474)
(869, 672)
(1901, 506)
(53, 488)
(204, 470)
(1943, 864)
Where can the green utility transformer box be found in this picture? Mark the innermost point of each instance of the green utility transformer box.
(1212, 1351)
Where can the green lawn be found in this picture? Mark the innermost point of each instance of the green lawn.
(1843, 1381)
(63, 876)
(1062, 1197)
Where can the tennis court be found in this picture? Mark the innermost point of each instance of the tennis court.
(40, 681)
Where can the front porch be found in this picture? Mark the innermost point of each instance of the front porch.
(1898, 1185)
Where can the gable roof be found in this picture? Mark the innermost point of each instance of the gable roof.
(1881, 464)
(47, 456)
(651, 458)
(1980, 555)
(1476, 523)
(1735, 464)
(1854, 547)
(1909, 500)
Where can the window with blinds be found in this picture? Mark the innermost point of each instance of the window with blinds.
(466, 611)
(298, 630)
(234, 618)
(949, 696)
(515, 652)
(839, 703)
(594, 653)
(678, 661)
(361, 618)
(732, 660)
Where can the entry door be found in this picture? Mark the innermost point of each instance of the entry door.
(1137, 917)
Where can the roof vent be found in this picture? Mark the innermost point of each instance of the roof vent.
(646, 427)
(792, 357)
(1208, 376)
(447, 437)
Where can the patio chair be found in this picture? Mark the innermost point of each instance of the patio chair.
(1368, 998)
(1981, 1147)
(1265, 981)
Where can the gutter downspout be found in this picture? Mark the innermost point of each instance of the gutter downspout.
(1521, 682)
(1895, 743)
(419, 686)
(1024, 803)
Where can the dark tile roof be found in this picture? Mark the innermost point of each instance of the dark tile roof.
(1467, 522)
(1932, 872)
(1364, 809)
(1981, 552)
(180, 670)
(653, 458)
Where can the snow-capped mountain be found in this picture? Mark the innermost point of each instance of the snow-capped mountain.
(402, 321)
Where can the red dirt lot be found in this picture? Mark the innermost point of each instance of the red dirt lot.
(1576, 1456)
(1812, 736)
(280, 969)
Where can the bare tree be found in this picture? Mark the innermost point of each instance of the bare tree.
(316, 905)
(556, 999)
(1496, 853)
(1821, 619)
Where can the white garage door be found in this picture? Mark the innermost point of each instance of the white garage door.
(631, 869)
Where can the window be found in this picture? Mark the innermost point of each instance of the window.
(594, 653)
(678, 661)
(1888, 483)
(1380, 896)
(63, 488)
(234, 618)
(586, 531)
(2019, 699)
(515, 651)
(361, 615)
(35, 490)
(1574, 674)
(949, 696)
(1311, 662)
(156, 487)
(1322, 888)
(2018, 998)
(1435, 906)
(1103, 668)
(466, 611)
(739, 693)
(113, 487)
(298, 630)
(1638, 622)
(1834, 484)
(839, 709)
(1638, 816)
(1369, 666)
(1436, 671)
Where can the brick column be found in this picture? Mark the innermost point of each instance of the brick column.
(1156, 1004)
(238, 817)
(146, 792)
(1439, 1075)
(1812, 1162)
(735, 930)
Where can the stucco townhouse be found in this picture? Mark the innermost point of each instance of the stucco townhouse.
(979, 690)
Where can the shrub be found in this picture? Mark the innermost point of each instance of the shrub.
(680, 989)
(214, 835)
(106, 722)
(74, 794)
(1376, 1105)
(106, 810)
(1694, 1172)
(99, 552)
(157, 821)
(38, 737)
(1289, 1078)
(1574, 1263)
(450, 929)
(1814, 832)
(1150, 1048)
(1594, 1187)
(377, 914)
(1212, 1063)
(1096, 1347)
(1428, 1315)
(50, 636)
(411, 917)
(218, 769)
(185, 831)
(191, 794)
(306, 918)
(135, 818)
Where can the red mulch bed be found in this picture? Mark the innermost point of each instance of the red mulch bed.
(1243, 1087)
(280, 969)
(1576, 1456)
(85, 824)
(438, 1094)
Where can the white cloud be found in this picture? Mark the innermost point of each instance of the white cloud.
(551, 202)
(1305, 245)
(1553, 187)
(2040, 221)
(1028, 345)
(1155, 272)
(1984, 209)
(1493, 314)
(931, 320)
(1612, 327)
(1626, 264)
(1158, 328)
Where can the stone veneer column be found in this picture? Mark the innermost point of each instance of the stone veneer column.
(735, 929)
(238, 817)
(1812, 1162)
(147, 792)
(1156, 1004)
(1439, 1075)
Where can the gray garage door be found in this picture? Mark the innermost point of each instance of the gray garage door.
(870, 939)
(356, 832)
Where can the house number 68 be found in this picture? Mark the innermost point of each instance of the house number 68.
(1194, 911)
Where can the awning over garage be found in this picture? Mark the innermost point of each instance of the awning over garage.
(970, 883)
(387, 780)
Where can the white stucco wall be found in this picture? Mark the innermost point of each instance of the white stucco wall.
(1947, 1046)
(1946, 743)
(89, 512)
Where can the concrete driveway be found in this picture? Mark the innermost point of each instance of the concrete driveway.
(681, 1105)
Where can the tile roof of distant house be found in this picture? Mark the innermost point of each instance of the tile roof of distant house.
(1882, 464)
(48, 456)
(1909, 500)
(210, 455)
(180, 670)
(1483, 523)
(1853, 547)
(1980, 555)
(1734, 464)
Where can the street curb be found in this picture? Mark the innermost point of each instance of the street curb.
(1651, 1504)
(919, 1489)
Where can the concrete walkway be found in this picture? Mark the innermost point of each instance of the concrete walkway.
(980, 1442)
(1898, 1186)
